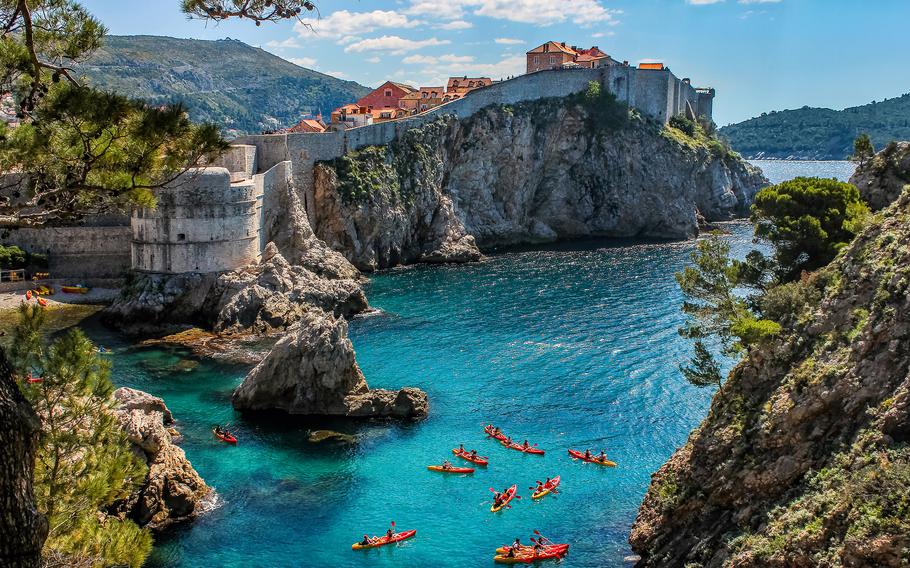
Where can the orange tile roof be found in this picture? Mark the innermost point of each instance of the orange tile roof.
(655, 66)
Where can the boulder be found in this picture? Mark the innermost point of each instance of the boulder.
(881, 179)
(173, 491)
(312, 371)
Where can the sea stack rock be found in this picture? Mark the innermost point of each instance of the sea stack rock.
(173, 490)
(312, 371)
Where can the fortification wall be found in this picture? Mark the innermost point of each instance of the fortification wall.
(96, 251)
(203, 223)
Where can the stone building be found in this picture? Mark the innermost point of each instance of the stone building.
(554, 55)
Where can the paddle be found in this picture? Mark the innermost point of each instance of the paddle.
(542, 537)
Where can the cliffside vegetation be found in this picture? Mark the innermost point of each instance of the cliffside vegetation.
(803, 459)
(820, 133)
(84, 462)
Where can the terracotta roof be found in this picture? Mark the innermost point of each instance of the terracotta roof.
(404, 86)
(657, 66)
(558, 47)
(308, 125)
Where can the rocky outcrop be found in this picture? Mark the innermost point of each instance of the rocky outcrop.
(533, 172)
(172, 492)
(264, 299)
(804, 458)
(881, 179)
(22, 527)
(312, 371)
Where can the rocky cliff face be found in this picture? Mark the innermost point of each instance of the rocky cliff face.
(312, 371)
(882, 179)
(173, 491)
(804, 459)
(532, 172)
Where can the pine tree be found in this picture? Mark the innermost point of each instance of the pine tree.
(862, 149)
(703, 370)
(84, 462)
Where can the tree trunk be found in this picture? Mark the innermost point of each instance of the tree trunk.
(23, 529)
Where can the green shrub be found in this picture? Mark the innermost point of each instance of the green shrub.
(785, 302)
(684, 124)
(752, 331)
(12, 257)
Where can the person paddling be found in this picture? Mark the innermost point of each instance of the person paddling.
(516, 545)
(446, 464)
(588, 454)
(389, 534)
(366, 541)
(526, 445)
(473, 454)
(540, 486)
(461, 448)
(603, 456)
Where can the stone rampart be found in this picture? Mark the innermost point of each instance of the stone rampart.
(97, 251)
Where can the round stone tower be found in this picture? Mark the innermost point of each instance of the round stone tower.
(203, 223)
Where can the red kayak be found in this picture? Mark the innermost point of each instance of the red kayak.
(465, 455)
(521, 448)
(225, 437)
(492, 433)
(507, 496)
(593, 459)
(28, 295)
(450, 469)
(525, 557)
(378, 541)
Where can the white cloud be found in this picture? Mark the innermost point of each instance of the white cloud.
(759, 1)
(394, 44)
(455, 25)
(343, 23)
(418, 59)
(308, 62)
(339, 74)
(289, 43)
(703, 2)
(373, 59)
(580, 12)
(508, 41)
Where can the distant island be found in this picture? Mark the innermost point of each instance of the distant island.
(241, 88)
(820, 133)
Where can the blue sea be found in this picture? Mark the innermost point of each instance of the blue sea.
(567, 346)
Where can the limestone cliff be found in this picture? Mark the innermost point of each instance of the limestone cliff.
(532, 172)
(172, 492)
(881, 179)
(803, 459)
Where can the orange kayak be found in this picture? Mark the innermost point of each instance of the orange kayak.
(524, 557)
(581, 456)
(492, 433)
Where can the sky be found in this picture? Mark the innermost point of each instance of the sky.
(760, 55)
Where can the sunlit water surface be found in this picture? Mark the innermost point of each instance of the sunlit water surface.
(571, 346)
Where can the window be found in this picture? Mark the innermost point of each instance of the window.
(552, 60)
(181, 236)
(471, 84)
(388, 92)
(536, 60)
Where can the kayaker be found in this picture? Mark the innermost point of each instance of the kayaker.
(516, 545)
(509, 440)
(603, 456)
(537, 549)
(460, 448)
(588, 454)
(526, 445)
(540, 486)
(473, 454)
(547, 484)
(447, 465)
(389, 534)
(366, 541)
(497, 498)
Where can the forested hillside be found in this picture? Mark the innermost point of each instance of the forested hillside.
(820, 133)
(241, 88)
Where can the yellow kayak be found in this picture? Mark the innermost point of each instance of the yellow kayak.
(507, 497)
(553, 484)
(377, 541)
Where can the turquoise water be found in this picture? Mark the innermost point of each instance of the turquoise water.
(571, 346)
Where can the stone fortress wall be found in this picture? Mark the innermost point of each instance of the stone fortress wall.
(213, 219)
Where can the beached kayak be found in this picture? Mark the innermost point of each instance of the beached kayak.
(553, 484)
(521, 448)
(378, 541)
(529, 549)
(509, 495)
(74, 289)
(529, 557)
(493, 434)
(593, 459)
(465, 455)
(226, 437)
(441, 469)
(42, 302)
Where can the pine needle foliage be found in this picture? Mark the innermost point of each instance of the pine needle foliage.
(84, 462)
